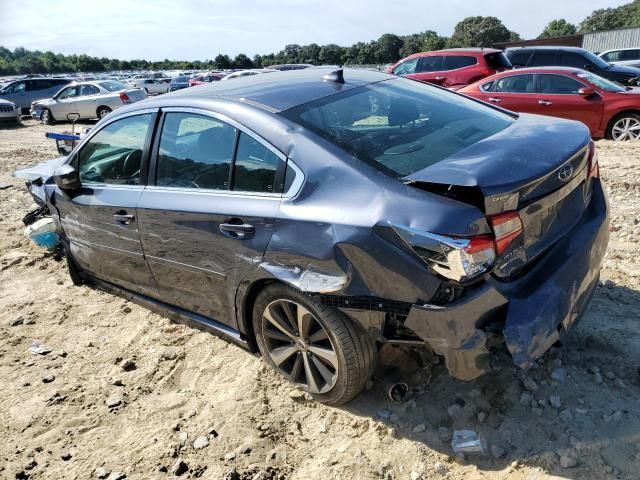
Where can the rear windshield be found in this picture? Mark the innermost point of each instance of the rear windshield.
(180, 80)
(112, 86)
(400, 126)
(497, 60)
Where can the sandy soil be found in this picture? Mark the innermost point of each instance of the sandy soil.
(170, 387)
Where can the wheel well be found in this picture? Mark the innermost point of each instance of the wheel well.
(102, 106)
(617, 116)
(247, 309)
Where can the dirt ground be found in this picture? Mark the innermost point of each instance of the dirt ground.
(124, 393)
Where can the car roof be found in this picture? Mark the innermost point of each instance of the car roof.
(543, 70)
(456, 51)
(280, 91)
(546, 47)
(619, 50)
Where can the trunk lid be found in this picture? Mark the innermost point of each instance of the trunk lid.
(135, 94)
(537, 166)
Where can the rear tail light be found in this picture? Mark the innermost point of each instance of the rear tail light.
(507, 227)
(124, 98)
(594, 169)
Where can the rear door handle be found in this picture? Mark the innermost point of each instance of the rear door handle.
(495, 100)
(237, 230)
(545, 102)
(123, 217)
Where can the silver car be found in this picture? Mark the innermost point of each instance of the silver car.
(623, 56)
(86, 100)
(24, 92)
(9, 111)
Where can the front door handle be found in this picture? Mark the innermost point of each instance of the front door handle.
(546, 103)
(237, 230)
(495, 100)
(123, 217)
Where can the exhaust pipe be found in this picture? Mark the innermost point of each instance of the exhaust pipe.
(396, 391)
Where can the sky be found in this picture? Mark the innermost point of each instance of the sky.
(200, 29)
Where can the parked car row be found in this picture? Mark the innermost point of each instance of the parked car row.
(566, 82)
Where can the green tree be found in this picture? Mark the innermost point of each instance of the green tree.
(479, 32)
(242, 61)
(558, 28)
(310, 54)
(611, 18)
(222, 62)
(388, 50)
(331, 54)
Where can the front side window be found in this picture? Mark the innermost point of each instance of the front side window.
(114, 154)
(614, 56)
(399, 126)
(571, 60)
(255, 167)
(559, 85)
(407, 67)
(69, 92)
(515, 84)
(431, 64)
(17, 87)
(195, 152)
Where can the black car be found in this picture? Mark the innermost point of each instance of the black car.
(315, 215)
(572, 57)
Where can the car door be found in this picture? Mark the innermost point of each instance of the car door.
(207, 220)
(86, 103)
(514, 92)
(65, 103)
(100, 219)
(431, 69)
(559, 97)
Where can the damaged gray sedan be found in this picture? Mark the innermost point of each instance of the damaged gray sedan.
(318, 214)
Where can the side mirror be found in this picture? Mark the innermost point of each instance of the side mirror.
(586, 91)
(67, 178)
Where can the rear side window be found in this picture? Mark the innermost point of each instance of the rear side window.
(114, 154)
(255, 167)
(559, 84)
(453, 62)
(519, 59)
(543, 59)
(431, 64)
(497, 61)
(195, 152)
(88, 90)
(515, 84)
(399, 126)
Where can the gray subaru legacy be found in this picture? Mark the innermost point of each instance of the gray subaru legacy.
(317, 215)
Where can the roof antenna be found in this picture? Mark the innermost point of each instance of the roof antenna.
(335, 76)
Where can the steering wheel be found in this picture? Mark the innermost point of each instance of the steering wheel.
(128, 162)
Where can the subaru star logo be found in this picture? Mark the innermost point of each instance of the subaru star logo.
(565, 173)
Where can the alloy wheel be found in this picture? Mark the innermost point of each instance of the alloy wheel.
(299, 346)
(627, 128)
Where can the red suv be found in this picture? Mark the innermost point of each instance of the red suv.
(453, 68)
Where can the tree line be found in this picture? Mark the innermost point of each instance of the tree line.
(471, 32)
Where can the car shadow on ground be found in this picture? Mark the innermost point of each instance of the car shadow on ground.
(11, 125)
(578, 419)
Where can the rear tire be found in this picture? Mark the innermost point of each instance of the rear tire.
(103, 112)
(332, 360)
(623, 127)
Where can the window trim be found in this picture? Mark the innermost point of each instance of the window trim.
(280, 172)
(73, 157)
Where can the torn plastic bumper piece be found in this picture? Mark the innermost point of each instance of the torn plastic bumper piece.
(455, 332)
(541, 306)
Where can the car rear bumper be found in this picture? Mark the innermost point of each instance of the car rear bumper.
(533, 311)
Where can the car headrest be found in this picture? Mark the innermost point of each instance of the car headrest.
(402, 111)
